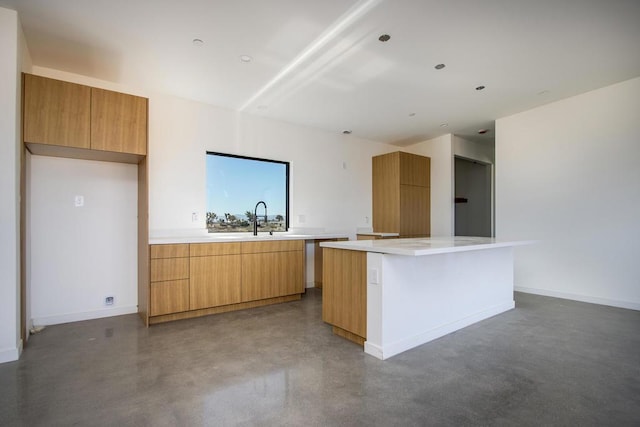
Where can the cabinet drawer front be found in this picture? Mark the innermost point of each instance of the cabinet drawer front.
(169, 251)
(272, 246)
(169, 297)
(169, 269)
(211, 249)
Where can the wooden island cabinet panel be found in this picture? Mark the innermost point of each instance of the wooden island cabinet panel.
(118, 122)
(344, 293)
(56, 112)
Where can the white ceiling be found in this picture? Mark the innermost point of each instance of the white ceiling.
(320, 64)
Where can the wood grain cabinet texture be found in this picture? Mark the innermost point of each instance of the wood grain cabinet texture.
(272, 269)
(197, 279)
(118, 122)
(344, 293)
(215, 275)
(71, 120)
(318, 260)
(56, 112)
(401, 194)
(169, 279)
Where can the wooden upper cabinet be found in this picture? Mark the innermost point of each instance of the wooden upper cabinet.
(70, 120)
(414, 170)
(56, 112)
(118, 122)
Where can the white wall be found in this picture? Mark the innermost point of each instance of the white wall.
(10, 343)
(440, 150)
(472, 150)
(322, 191)
(80, 255)
(568, 176)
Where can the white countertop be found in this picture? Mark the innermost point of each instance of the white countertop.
(424, 245)
(242, 237)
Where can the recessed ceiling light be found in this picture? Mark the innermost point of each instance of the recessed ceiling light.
(197, 42)
(245, 58)
(479, 87)
(483, 131)
(439, 66)
(347, 131)
(384, 38)
(444, 125)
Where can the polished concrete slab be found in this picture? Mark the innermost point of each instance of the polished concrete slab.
(548, 362)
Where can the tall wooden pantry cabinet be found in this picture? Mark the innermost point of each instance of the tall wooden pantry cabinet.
(401, 194)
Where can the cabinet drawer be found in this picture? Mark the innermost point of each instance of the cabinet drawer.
(272, 246)
(170, 251)
(169, 297)
(211, 249)
(169, 269)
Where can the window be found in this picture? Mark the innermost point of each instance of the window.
(235, 184)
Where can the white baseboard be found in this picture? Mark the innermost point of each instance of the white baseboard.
(578, 297)
(87, 315)
(10, 355)
(388, 350)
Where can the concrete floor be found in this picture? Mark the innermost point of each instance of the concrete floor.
(548, 362)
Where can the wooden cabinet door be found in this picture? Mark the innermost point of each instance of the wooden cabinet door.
(169, 297)
(56, 112)
(118, 122)
(414, 170)
(415, 218)
(214, 281)
(272, 274)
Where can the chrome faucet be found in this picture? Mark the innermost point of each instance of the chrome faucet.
(255, 217)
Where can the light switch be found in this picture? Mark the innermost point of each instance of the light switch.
(79, 201)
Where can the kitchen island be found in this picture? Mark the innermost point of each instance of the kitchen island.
(394, 295)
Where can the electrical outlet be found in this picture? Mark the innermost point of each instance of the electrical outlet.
(194, 217)
(79, 201)
(108, 301)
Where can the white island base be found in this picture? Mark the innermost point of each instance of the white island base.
(418, 290)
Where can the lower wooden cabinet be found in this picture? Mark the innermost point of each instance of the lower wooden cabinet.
(168, 297)
(272, 274)
(190, 280)
(344, 294)
(214, 281)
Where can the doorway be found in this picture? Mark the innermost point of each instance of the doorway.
(473, 207)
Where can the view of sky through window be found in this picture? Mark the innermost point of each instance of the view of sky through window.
(236, 184)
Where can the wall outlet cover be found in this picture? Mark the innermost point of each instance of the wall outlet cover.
(108, 301)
